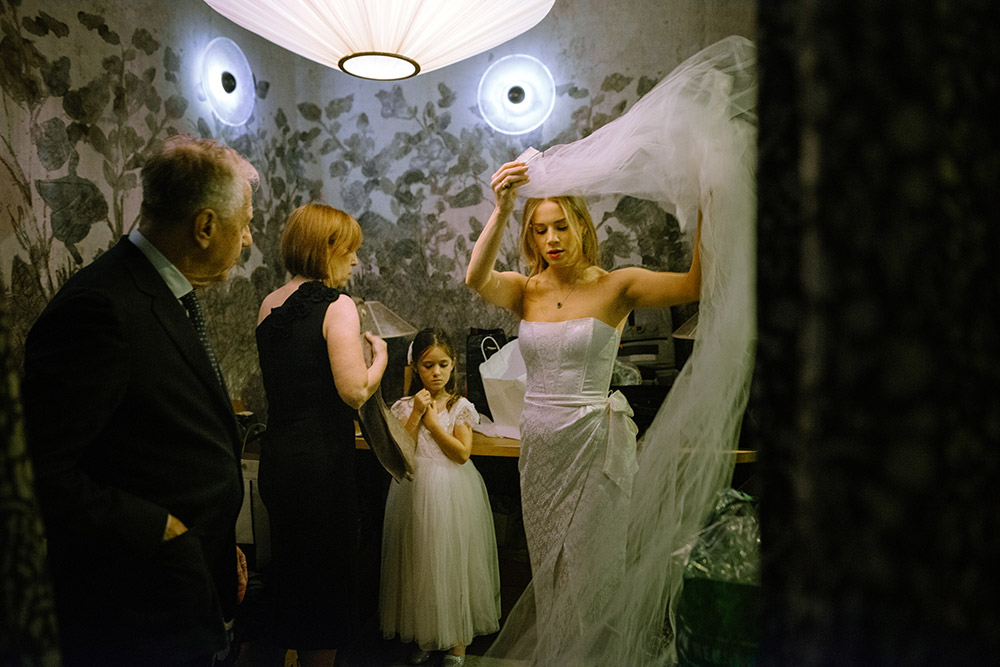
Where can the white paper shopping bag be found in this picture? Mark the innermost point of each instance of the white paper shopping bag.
(504, 381)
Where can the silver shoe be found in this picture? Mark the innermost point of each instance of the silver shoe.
(418, 656)
(453, 660)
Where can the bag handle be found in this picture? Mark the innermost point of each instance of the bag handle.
(482, 345)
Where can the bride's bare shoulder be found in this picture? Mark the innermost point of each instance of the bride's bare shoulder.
(611, 279)
(596, 273)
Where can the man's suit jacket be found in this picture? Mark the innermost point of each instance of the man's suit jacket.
(126, 422)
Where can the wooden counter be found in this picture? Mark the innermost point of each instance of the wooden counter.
(484, 445)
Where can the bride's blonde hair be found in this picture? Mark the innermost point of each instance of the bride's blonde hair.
(580, 224)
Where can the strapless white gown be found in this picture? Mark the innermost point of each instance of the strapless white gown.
(576, 467)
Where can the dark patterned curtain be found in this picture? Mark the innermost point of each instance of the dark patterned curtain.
(876, 400)
(27, 618)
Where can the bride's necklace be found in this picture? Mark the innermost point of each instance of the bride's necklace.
(559, 303)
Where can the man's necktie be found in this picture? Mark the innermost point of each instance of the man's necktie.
(190, 301)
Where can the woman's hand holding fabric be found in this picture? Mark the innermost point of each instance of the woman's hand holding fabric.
(379, 348)
(506, 181)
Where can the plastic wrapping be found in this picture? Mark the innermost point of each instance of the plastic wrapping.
(718, 615)
(625, 373)
(728, 549)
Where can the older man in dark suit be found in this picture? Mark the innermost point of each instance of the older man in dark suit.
(131, 430)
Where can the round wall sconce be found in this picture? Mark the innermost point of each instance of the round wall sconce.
(516, 94)
(227, 81)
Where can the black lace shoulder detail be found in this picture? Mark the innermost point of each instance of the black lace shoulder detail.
(315, 291)
(301, 303)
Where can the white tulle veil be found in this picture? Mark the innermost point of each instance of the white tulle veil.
(689, 140)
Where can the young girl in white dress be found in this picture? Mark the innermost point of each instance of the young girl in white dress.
(440, 577)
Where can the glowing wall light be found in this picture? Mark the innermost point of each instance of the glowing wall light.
(227, 81)
(516, 94)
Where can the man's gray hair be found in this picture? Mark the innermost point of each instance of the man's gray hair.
(187, 175)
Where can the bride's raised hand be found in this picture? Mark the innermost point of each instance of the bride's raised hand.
(498, 288)
(506, 181)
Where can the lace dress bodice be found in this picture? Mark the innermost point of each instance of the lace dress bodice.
(575, 357)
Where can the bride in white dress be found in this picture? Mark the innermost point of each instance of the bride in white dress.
(578, 447)
(604, 523)
(577, 443)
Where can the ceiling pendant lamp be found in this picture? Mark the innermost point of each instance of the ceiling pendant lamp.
(385, 39)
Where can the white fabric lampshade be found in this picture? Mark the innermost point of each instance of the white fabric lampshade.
(385, 39)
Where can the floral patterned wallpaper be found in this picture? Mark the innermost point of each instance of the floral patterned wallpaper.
(88, 88)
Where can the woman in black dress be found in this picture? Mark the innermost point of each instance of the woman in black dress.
(311, 355)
